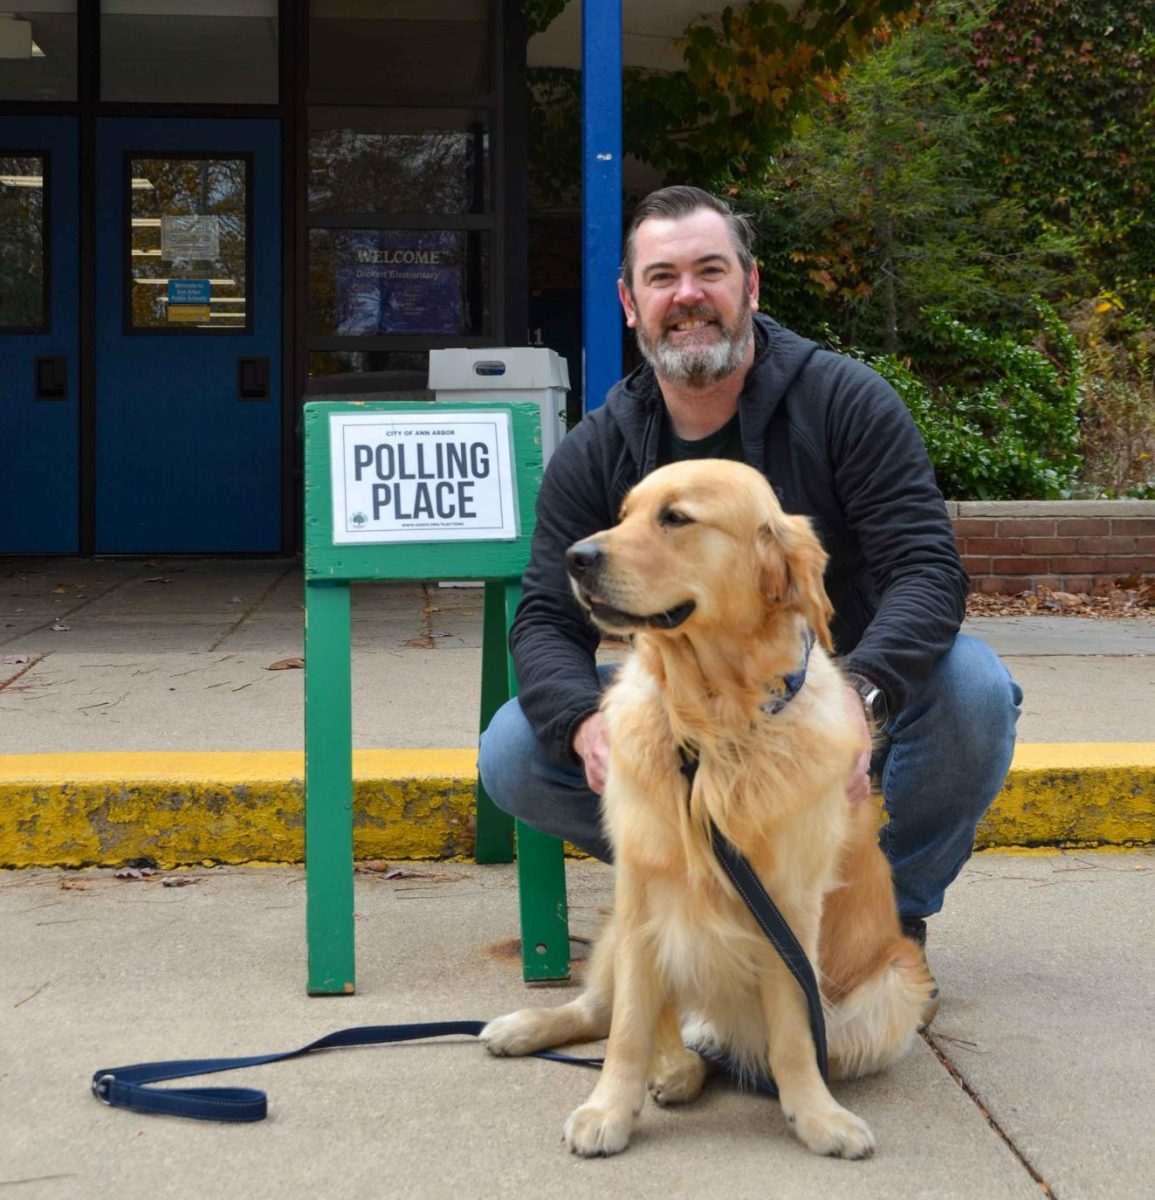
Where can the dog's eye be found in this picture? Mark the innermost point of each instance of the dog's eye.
(672, 517)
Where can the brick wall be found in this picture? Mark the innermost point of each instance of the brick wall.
(1070, 545)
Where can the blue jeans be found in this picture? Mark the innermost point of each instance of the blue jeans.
(943, 761)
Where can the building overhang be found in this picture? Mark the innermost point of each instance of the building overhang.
(650, 29)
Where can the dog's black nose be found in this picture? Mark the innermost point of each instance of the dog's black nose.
(583, 559)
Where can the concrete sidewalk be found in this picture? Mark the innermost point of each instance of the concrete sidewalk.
(173, 654)
(142, 716)
(1032, 1082)
(139, 716)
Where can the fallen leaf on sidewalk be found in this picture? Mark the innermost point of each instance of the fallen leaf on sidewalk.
(134, 873)
(73, 885)
(380, 868)
(60, 627)
(286, 664)
(31, 996)
(178, 880)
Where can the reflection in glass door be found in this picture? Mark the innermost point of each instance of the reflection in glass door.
(39, 454)
(188, 244)
(23, 243)
(401, 240)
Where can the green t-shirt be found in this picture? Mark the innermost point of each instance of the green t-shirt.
(722, 443)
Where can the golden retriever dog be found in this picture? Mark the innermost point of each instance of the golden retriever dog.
(721, 591)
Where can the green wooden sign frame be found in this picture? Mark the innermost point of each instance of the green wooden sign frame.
(329, 570)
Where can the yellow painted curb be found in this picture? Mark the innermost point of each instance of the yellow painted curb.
(203, 766)
(1075, 794)
(108, 808)
(74, 810)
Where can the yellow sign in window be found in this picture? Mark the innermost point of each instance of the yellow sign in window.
(189, 312)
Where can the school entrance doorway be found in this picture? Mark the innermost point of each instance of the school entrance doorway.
(159, 429)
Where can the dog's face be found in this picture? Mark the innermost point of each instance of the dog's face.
(702, 544)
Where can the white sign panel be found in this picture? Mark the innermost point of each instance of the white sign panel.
(416, 477)
(195, 237)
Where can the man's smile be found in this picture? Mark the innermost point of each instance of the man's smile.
(686, 326)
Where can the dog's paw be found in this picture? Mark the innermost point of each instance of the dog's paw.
(834, 1131)
(678, 1078)
(596, 1132)
(517, 1033)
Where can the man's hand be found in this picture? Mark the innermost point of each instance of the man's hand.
(858, 784)
(591, 744)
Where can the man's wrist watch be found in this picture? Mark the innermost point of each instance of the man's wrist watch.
(873, 698)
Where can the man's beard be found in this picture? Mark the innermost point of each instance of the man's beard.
(699, 366)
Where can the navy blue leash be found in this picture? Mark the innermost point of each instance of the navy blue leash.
(773, 924)
(127, 1087)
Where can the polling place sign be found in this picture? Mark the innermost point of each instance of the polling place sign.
(416, 477)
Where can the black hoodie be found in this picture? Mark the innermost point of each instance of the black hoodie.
(837, 444)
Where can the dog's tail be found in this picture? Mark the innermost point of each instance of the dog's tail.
(875, 1023)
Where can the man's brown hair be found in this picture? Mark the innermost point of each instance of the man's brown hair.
(680, 201)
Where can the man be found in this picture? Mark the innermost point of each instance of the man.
(723, 381)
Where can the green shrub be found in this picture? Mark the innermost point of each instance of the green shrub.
(1070, 86)
(875, 209)
(1006, 425)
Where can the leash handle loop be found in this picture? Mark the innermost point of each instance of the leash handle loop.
(128, 1086)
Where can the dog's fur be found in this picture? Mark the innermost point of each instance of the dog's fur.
(717, 585)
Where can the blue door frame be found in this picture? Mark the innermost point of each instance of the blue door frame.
(39, 481)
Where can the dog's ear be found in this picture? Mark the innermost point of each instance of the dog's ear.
(793, 561)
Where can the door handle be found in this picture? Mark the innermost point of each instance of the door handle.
(253, 378)
(51, 378)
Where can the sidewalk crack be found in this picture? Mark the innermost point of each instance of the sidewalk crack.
(83, 602)
(32, 662)
(424, 638)
(988, 1116)
(252, 608)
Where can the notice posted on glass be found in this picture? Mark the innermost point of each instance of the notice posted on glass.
(445, 475)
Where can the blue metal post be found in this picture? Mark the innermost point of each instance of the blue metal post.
(601, 198)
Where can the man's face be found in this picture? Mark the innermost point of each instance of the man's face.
(689, 303)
